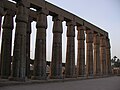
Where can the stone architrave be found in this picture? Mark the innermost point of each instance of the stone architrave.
(28, 74)
(103, 55)
(40, 50)
(89, 53)
(108, 57)
(81, 51)
(70, 54)
(19, 53)
(96, 54)
(56, 64)
(6, 44)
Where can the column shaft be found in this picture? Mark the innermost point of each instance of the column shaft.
(81, 51)
(28, 74)
(6, 44)
(0, 23)
(1, 14)
(70, 54)
(108, 57)
(96, 55)
(56, 64)
(19, 53)
(0, 38)
(89, 53)
(40, 49)
(103, 55)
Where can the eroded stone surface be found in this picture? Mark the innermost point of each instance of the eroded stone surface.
(97, 42)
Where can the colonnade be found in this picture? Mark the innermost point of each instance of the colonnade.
(18, 68)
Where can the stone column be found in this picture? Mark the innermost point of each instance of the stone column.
(89, 53)
(0, 38)
(56, 64)
(6, 44)
(70, 54)
(96, 54)
(0, 23)
(19, 53)
(40, 50)
(81, 51)
(1, 14)
(28, 74)
(103, 55)
(108, 57)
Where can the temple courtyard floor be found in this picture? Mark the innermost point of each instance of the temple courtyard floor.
(107, 83)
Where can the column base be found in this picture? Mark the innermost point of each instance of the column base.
(96, 75)
(81, 76)
(4, 77)
(70, 76)
(39, 78)
(90, 76)
(29, 77)
(56, 77)
(11, 78)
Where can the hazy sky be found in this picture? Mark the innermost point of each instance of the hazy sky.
(103, 13)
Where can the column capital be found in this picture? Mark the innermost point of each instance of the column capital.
(71, 29)
(70, 23)
(24, 3)
(89, 31)
(43, 11)
(10, 12)
(8, 19)
(81, 34)
(102, 41)
(41, 20)
(57, 26)
(58, 18)
(22, 13)
(89, 37)
(96, 38)
(81, 28)
(1, 8)
(108, 43)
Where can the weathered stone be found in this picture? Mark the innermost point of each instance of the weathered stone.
(56, 64)
(1, 14)
(6, 44)
(1, 7)
(103, 55)
(19, 54)
(0, 35)
(96, 54)
(28, 74)
(70, 54)
(40, 50)
(81, 51)
(89, 53)
(108, 57)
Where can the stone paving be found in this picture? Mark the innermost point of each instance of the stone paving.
(110, 83)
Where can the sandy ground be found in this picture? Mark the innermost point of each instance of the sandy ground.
(111, 83)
